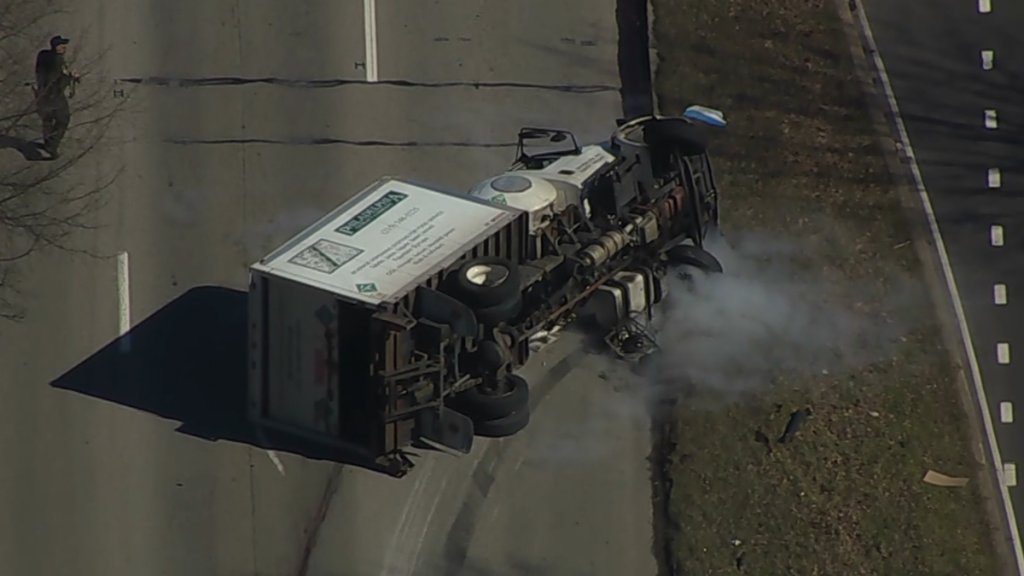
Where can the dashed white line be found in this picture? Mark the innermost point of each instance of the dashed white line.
(270, 453)
(988, 59)
(999, 294)
(995, 235)
(984, 6)
(276, 461)
(124, 308)
(991, 120)
(1010, 474)
(1006, 412)
(370, 31)
(954, 291)
(995, 179)
(1003, 353)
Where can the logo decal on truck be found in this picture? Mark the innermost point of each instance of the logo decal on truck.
(367, 215)
(366, 288)
(325, 256)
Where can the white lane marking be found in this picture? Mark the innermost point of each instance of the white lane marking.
(995, 235)
(276, 461)
(124, 308)
(1003, 353)
(988, 59)
(995, 179)
(1010, 474)
(954, 292)
(370, 32)
(984, 6)
(991, 120)
(999, 294)
(270, 453)
(1006, 412)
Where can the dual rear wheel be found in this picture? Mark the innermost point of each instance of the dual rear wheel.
(490, 286)
(497, 409)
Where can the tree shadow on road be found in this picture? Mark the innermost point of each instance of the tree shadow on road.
(187, 362)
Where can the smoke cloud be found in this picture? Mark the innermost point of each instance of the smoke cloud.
(778, 309)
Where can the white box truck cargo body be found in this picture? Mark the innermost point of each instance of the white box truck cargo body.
(324, 309)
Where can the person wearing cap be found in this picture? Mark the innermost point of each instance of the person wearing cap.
(52, 81)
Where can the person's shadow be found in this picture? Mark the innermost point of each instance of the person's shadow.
(32, 151)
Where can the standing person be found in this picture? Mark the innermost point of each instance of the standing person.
(52, 81)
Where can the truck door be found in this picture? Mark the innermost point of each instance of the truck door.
(303, 358)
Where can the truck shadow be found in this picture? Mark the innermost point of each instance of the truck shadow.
(187, 363)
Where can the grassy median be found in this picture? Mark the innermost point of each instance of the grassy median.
(801, 162)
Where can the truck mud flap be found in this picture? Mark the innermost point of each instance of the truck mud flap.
(445, 429)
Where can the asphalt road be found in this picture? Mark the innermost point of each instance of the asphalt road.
(934, 56)
(134, 461)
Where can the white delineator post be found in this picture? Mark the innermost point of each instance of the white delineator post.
(124, 319)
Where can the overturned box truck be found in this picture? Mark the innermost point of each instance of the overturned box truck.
(402, 316)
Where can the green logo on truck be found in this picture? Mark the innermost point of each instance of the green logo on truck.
(367, 215)
(367, 288)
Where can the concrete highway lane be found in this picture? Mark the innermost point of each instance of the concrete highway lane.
(99, 487)
(957, 71)
(246, 121)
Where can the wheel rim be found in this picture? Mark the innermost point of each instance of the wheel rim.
(486, 275)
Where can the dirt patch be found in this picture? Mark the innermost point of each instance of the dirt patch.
(807, 188)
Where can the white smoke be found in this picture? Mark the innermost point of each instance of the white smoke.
(774, 311)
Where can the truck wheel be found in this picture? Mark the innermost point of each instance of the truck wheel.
(494, 315)
(687, 255)
(502, 427)
(483, 405)
(486, 281)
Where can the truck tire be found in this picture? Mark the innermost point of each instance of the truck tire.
(501, 427)
(503, 311)
(485, 282)
(699, 258)
(482, 406)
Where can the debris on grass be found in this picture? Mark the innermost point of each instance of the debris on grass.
(939, 479)
(796, 420)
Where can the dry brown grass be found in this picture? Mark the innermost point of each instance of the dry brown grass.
(799, 158)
